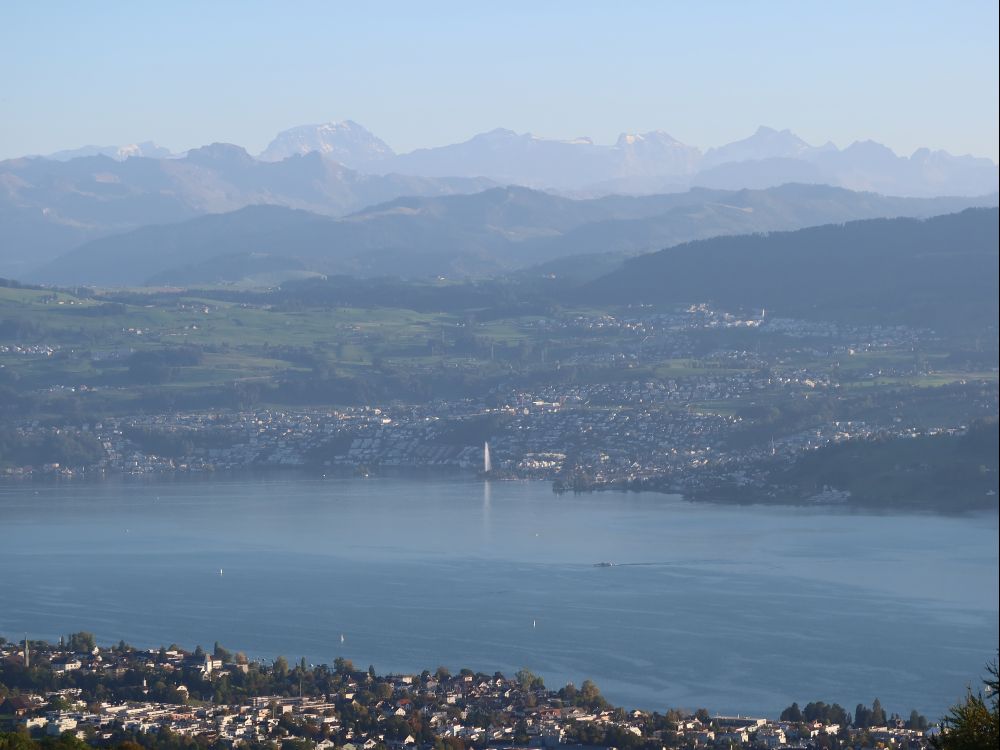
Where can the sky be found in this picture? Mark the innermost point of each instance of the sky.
(907, 74)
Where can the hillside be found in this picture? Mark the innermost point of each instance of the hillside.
(942, 472)
(48, 207)
(491, 232)
(939, 272)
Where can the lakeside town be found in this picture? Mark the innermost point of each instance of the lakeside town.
(585, 437)
(102, 696)
(637, 399)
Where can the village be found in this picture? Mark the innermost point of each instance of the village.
(220, 699)
(604, 435)
(670, 410)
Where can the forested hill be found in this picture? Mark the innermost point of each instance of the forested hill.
(470, 236)
(947, 473)
(939, 272)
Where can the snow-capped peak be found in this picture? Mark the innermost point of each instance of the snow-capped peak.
(345, 141)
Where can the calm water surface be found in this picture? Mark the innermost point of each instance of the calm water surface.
(736, 609)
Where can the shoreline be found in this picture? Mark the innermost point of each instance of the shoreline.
(720, 496)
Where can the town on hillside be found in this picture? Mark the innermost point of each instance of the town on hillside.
(76, 694)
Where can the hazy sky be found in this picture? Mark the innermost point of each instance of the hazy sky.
(907, 74)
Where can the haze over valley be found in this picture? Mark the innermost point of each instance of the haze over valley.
(642, 194)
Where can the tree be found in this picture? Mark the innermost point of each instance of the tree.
(343, 666)
(81, 642)
(16, 741)
(916, 721)
(862, 716)
(590, 694)
(281, 668)
(529, 681)
(792, 713)
(878, 714)
(221, 653)
(521, 733)
(974, 724)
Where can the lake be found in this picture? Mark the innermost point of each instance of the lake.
(739, 609)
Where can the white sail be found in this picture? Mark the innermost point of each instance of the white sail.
(487, 464)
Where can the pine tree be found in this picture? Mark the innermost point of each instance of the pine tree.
(878, 714)
(974, 724)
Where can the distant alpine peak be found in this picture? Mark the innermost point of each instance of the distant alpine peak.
(657, 136)
(335, 125)
(219, 152)
(764, 132)
(344, 141)
(765, 143)
(146, 149)
(501, 135)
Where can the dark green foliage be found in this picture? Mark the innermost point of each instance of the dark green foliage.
(105, 309)
(82, 642)
(975, 723)
(916, 721)
(827, 714)
(792, 713)
(471, 431)
(943, 471)
(939, 273)
(20, 330)
(153, 367)
(865, 717)
(528, 680)
(63, 447)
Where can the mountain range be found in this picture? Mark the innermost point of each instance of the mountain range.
(494, 231)
(352, 205)
(48, 207)
(637, 163)
(650, 162)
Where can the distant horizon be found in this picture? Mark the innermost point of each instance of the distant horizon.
(905, 74)
(254, 151)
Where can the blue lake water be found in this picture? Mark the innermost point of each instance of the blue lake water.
(733, 608)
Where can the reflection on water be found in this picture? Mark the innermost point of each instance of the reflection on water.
(737, 609)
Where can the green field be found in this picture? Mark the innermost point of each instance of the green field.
(150, 349)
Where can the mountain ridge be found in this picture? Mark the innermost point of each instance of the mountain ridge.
(48, 207)
(492, 232)
(579, 164)
(938, 272)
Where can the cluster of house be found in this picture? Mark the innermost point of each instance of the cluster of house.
(400, 711)
(623, 431)
(627, 431)
(43, 350)
(703, 316)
